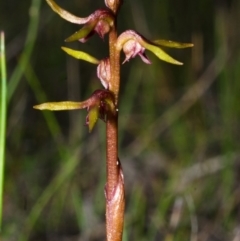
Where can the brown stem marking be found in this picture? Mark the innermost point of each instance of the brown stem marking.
(115, 211)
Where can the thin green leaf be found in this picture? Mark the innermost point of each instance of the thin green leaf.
(83, 32)
(160, 53)
(65, 14)
(64, 105)
(81, 55)
(172, 44)
(24, 59)
(3, 116)
(92, 117)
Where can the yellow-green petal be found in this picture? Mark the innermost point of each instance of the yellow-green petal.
(172, 44)
(160, 53)
(63, 105)
(83, 32)
(110, 104)
(92, 117)
(81, 55)
(65, 14)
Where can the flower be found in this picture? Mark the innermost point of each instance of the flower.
(99, 22)
(133, 48)
(99, 105)
(134, 44)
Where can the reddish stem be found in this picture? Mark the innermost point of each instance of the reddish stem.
(112, 122)
(112, 155)
(115, 200)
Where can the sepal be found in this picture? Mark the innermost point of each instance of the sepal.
(92, 117)
(172, 44)
(63, 105)
(80, 55)
(65, 14)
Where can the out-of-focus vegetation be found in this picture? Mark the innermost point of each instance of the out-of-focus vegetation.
(179, 126)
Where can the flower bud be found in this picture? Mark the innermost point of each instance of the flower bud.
(104, 72)
(113, 4)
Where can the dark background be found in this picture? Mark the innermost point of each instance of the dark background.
(179, 126)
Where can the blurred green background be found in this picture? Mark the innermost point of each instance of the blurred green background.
(179, 126)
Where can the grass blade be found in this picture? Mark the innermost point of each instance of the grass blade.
(28, 48)
(3, 114)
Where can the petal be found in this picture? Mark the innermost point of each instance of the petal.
(65, 14)
(63, 105)
(81, 55)
(172, 44)
(160, 53)
(109, 105)
(92, 117)
(144, 58)
(83, 33)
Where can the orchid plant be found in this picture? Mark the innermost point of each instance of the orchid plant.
(103, 103)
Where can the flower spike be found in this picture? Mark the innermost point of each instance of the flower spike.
(134, 44)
